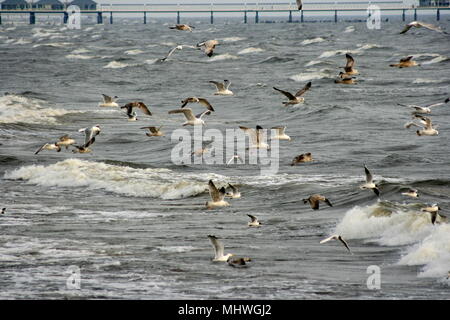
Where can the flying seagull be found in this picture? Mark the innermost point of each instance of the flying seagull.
(49, 146)
(425, 108)
(370, 183)
(209, 46)
(254, 221)
(280, 135)
(314, 201)
(202, 101)
(222, 88)
(305, 157)
(217, 197)
(419, 24)
(256, 137)
(345, 79)
(135, 104)
(218, 249)
(191, 119)
(297, 97)
(182, 27)
(349, 66)
(65, 141)
(299, 4)
(234, 193)
(405, 63)
(428, 128)
(179, 47)
(413, 193)
(108, 101)
(90, 134)
(433, 211)
(154, 131)
(337, 237)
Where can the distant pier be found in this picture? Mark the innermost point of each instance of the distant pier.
(146, 11)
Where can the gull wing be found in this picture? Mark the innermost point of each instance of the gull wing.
(432, 27)
(187, 113)
(280, 130)
(217, 245)
(144, 108)
(227, 83)
(64, 137)
(350, 63)
(344, 243)
(287, 94)
(260, 135)
(407, 27)
(369, 176)
(299, 4)
(303, 90)
(206, 103)
(252, 217)
(106, 99)
(200, 115)
(438, 104)
(216, 194)
(40, 149)
(328, 239)
(219, 85)
(406, 59)
(251, 133)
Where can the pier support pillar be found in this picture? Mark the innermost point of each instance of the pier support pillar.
(145, 17)
(403, 15)
(0, 18)
(212, 17)
(256, 17)
(178, 17)
(415, 14)
(66, 17)
(32, 18)
(99, 18)
(110, 18)
(335, 16)
(290, 16)
(438, 15)
(245, 16)
(301, 16)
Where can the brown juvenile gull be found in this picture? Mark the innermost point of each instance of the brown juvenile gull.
(337, 237)
(218, 249)
(254, 221)
(154, 131)
(419, 24)
(297, 97)
(344, 79)
(256, 137)
(370, 183)
(49, 146)
(135, 104)
(305, 157)
(405, 63)
(209, 46)
(182, 27)
(191, 119)
(238, 262)
(222, 88)
(217, 197)
(108, 101)
(349, 66)
(202, 101)
(314, 201)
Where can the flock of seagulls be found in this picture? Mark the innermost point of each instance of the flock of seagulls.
(257, 136)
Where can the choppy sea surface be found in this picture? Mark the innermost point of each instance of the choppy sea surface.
(135, 223)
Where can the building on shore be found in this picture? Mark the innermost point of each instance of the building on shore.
(84, 4)
(48, 5)
(14, 5)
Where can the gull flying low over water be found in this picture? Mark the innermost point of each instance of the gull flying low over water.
(370, 183)
(280, 135)
(256, 137)
(349, 71)
(315, 199)
(209, 46)
(217, 197)
(222, 88)
(428, 128)
(191, 119)
(49, 146)
(135, 104)
(154, 131)
(337, 237)
(90, 134)
(182, 27)
(297, 97)
(233, 193)
(433, 211)
(426, 108)
(108, 101)
(65, 141)
(218, 249)
(305, 157)
(179, 47)
(413, 193)
(254, 221)
(419, 24)
(405, 63)
(202, 101)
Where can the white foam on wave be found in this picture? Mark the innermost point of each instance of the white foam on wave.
(133, 52)
(221, 57)
(423, 80)
(14, 109)
(312, 75)
(78, 56)
(250, 50)
(233, 39)
(311, 41)
(54, 44)
(154, 183)
(349, 29)
(116, 65)
(427, 244)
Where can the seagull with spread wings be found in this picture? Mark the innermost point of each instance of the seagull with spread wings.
(257, 137)
(337, 237)
(108, 101)
(426, 108)
(297, 97)
(202, 101)
(419, 24)
(217, 197)
(154, 131)
(405, 63)
(370, 183)
(191, 119)
(135, 104)
(218, 249)
(222, 88)
(315, 199)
